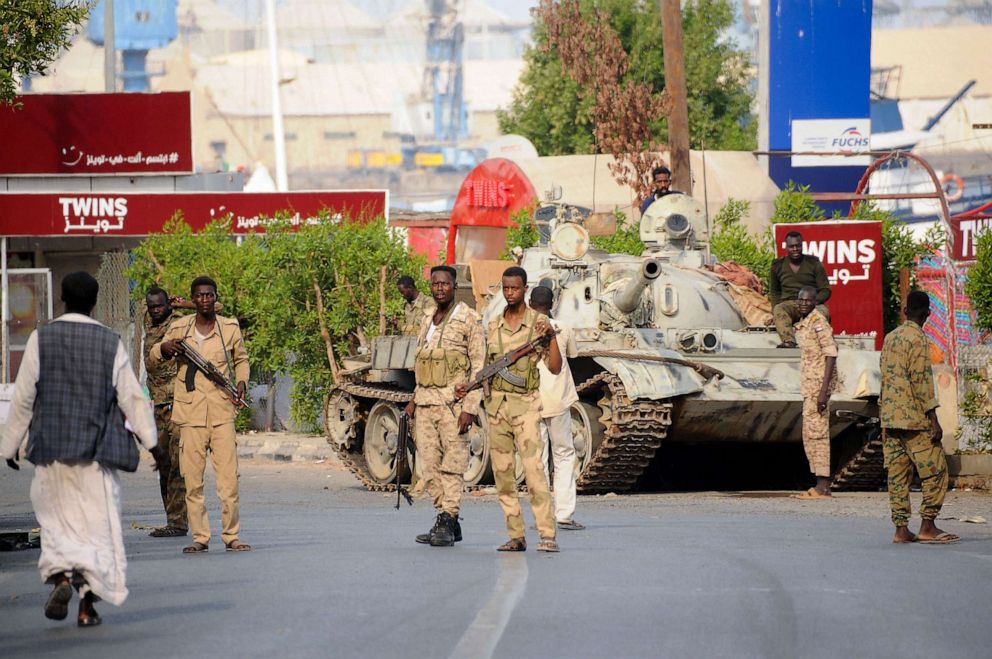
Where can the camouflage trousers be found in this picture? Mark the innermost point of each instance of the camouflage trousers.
(442, 455)
(786, 314)
(170, 478)
(903, 450)
(521, 432)
(816, 437)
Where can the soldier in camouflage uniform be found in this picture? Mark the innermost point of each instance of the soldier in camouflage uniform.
(449, 351)
(417, 306)
(160, 386)
(911, 432)
(514, 413)
(817, 366)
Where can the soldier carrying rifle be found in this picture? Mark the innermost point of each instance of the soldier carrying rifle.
(205, 401)
(449, 351)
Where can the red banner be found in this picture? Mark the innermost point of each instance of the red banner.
(964, 236)
(851, 253)
(125, 214)
(97, 134)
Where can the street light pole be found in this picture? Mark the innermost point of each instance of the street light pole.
(678, 118)
(278, 138)
(109, 48)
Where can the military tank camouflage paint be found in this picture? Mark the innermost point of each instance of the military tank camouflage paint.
(665, 355)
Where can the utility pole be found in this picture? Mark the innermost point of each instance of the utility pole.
(109, 48)
(279, 140)
(678, 119)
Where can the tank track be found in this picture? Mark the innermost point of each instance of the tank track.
(355, 461)
(630, 441)
(864, 471)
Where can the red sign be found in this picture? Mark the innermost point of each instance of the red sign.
(964, 236)
(851, 253)
(97, 134)
(489, 195)
(126, 214)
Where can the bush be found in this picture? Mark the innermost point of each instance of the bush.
(979, 284)
(268, 282)
(523, 234)
(625, 240)
(732, 241)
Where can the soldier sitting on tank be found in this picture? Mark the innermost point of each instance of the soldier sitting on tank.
(790, 273)
(662, 178)
(450, 350)
(417, 306)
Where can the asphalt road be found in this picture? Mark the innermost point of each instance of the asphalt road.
(335, 573)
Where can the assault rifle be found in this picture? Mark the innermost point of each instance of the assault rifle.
(501, 366)
(403, 437)
(198, 363)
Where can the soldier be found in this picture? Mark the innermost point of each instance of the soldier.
(160, 381)
(205, 413)
(417, 306)
(910, 430)
(818, 369)
(449, 351)
(557, 396)
(514, 412)
(788, 274)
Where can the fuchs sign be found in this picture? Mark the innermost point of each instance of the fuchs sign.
(851, 252)
(97, 134)
(116, 214)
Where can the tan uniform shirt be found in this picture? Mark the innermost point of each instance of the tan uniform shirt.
(498, 329)
(160, 377)
(414, 313)
(907, 379)
(207, 404)
(558, 391)
(816, 343)
(462, 333)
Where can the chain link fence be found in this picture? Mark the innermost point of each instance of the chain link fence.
(114, 307)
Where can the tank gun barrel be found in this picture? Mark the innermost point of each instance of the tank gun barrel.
(628, 297)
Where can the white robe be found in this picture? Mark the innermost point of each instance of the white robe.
(77, 502)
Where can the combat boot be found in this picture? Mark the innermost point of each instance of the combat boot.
(456, 529)
(425, 538)
(444, 531)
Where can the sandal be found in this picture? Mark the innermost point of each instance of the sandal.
(514, 544)
(168, 532)
(548, 545)
(237, 545)
(195, 548)
(57, 606)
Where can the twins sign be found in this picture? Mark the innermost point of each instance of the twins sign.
(851, 253)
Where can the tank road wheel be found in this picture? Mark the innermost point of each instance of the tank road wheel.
(379, 447)
(479, 470)
(587, 432)
(340, 419)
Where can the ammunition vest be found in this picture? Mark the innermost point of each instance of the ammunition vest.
(525, 367)
(439, 367)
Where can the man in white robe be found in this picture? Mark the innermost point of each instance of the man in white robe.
(77, 449)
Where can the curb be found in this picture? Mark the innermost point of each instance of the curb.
(284, 447)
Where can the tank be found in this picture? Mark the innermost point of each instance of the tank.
(665, 355)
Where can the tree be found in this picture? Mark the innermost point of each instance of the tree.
(32, 32)
(978, 285)
(557, 111)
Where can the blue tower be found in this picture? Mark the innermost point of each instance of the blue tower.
(139, 26)
(443, 76)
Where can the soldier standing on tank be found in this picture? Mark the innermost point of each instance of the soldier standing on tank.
(910, 430)
(449, 351)
(160, 380)
(514, 412)
(788, 274)
(417, 306)
(818, 371)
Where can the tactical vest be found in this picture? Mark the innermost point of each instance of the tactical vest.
(439, 367)
(525, 367)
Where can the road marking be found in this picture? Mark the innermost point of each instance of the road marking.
(480, 639)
